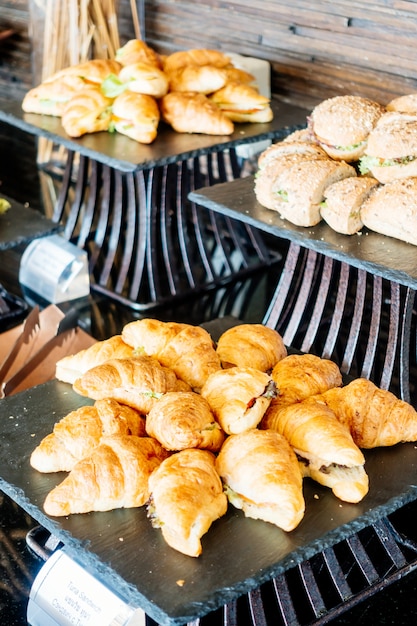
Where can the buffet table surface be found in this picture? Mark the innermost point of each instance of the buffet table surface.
(102, 317)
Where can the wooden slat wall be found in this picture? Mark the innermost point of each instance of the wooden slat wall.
(316, 49)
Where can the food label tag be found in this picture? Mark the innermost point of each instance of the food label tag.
(64, 594)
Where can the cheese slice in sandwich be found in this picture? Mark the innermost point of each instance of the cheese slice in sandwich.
(243, 103)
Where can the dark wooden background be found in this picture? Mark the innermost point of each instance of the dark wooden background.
(316, 49)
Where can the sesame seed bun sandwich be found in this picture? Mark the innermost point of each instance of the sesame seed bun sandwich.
(341, 125)
(392, 210)
(242, 103)
(391, 152)
(404, 104)
(341, 208)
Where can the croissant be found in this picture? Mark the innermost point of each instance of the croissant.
(182, 420)
(199, 78)
(188, 350)
(325, 447)
(374, 416)
(80, 431)
(298, 376)
(262, 477)
(92, 72)
(196, 56)
(87, 112)
(50, 98)
(137, 51)
(242, 102)
(71, 367)
(238, 397)
(136, 115)
(251, 345)
(190, 112)
(144, 78)
(115, 475)
(186, 498)
(138, 382)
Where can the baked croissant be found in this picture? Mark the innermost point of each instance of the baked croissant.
(262, 477)
(239, 397)
(138, 382)
(190, 112)
(242, 102)
(298, 376)
(50, 98)
(144, 78)
(199, 78)
(196, 56)
(182, 420)
(71, 367)
(92, 72)
(137, 51)
(251, 345)
(115, 475)
(374, 416)
(81, 430)
(136, 115)
(188, 350)
(186, 498)
(87, 112)
(325, 448)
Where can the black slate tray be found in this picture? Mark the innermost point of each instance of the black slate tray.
(125, 154)
(21, 225)
(378, 254)
(122, 549)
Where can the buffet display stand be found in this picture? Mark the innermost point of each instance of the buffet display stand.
(126, 204)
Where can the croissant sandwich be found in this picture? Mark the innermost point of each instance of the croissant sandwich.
(138, 382)
(50, 98)
(182, 420)
(196, 56)
(92, 72)
(243, 103)
(137, 51)
(325, 448)
(239, 397)
(190, 112)
(136, 116)
(71, 367)
(87, 112)
(144, 78)
(115, 475)
(188, 350)
(374, 416)
(81, 430)
(199, 78)
(262, 477)
(186, 498)
(251, 345)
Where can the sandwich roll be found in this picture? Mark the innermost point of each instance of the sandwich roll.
(137, 51)
(144, 78)
(201, 79)
(285, 147)
(92, 72)
(190, 112)
(404, 104)
(243, 103)
(299, 189)
(391, 152)
(342, 124)
(87, 112)
(136, 116)
(343, 200)
(50, 98)
(392, 210)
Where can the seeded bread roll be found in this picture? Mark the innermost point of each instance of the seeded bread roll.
(391, 152)
(282, 148)
(392, 210)
(404, 104)
(342, 124)
(343, 201)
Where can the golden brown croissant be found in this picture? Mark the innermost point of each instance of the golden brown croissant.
(325, 447)
(87, 112)
(251, 345)
(137, 381)
(50, 98)
(188, 350)
(374, 416)
(81, 430)
(144, 78)
(92, 72)
(198, 78)
(182, 420)
(238, 397)
(115, 475)
(242, 103)
(136, 116)
(299, 376)
(196, 56)
(186, 498)
(71, 367)
(262, 477)
(136, 51)
(190, 112)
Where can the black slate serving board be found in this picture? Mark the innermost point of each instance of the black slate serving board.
(122, 549)
(21, 224)
(378, 254)
(124, 154)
